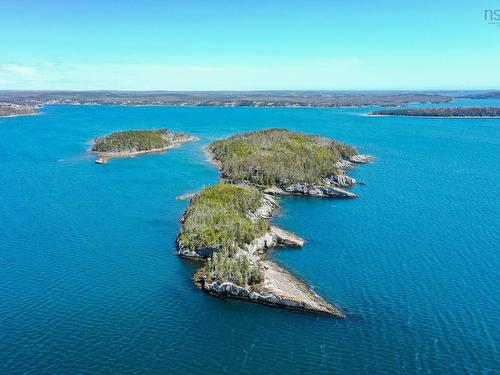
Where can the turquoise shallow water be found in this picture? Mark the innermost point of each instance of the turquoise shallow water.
(90, 282)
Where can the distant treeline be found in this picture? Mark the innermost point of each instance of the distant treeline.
(484, 95)
(442, 112)
(283, 98)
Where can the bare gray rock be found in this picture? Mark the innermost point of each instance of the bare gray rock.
(342, 180)
(361, 159)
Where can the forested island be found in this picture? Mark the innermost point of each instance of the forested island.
(464, 112)
(135, 142)
(287, 162)
(13, 110)
(227, 225)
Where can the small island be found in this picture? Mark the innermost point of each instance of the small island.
(283, 162)
(227, 225)
(14, 110)
(460, 112)
(131, 143)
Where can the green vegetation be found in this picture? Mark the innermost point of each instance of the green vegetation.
(278, 157)
(345, 151)
(133, 141)
(442, 112)
(217, 218)
(238, 270)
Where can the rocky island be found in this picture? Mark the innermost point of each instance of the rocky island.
(131, 143)
(227, 225)
(460, 112)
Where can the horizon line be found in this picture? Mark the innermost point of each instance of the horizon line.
(253, 90)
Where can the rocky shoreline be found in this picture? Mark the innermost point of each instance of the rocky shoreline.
(280, 289)
(333, 186)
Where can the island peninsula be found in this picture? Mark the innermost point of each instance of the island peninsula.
(227, 225)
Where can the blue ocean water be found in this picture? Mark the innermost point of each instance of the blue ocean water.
(90, 282)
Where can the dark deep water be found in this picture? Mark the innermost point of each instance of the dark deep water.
(90, 282)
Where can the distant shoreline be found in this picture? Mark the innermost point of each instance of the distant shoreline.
(441, 112)
(298, 106)
(447, 117)
(259, 99)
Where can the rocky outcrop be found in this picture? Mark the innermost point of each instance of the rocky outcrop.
(361, 159)
(286, 238)
(266, 210)
(275, 237)
(342, 180)
(326, 190)
(344, 164)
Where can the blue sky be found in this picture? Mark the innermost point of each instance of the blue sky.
(248, 45)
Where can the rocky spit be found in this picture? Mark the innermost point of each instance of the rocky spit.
(280, 288)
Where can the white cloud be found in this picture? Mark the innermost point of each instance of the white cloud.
(19, 69)
(335, 72)
(312, 73)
